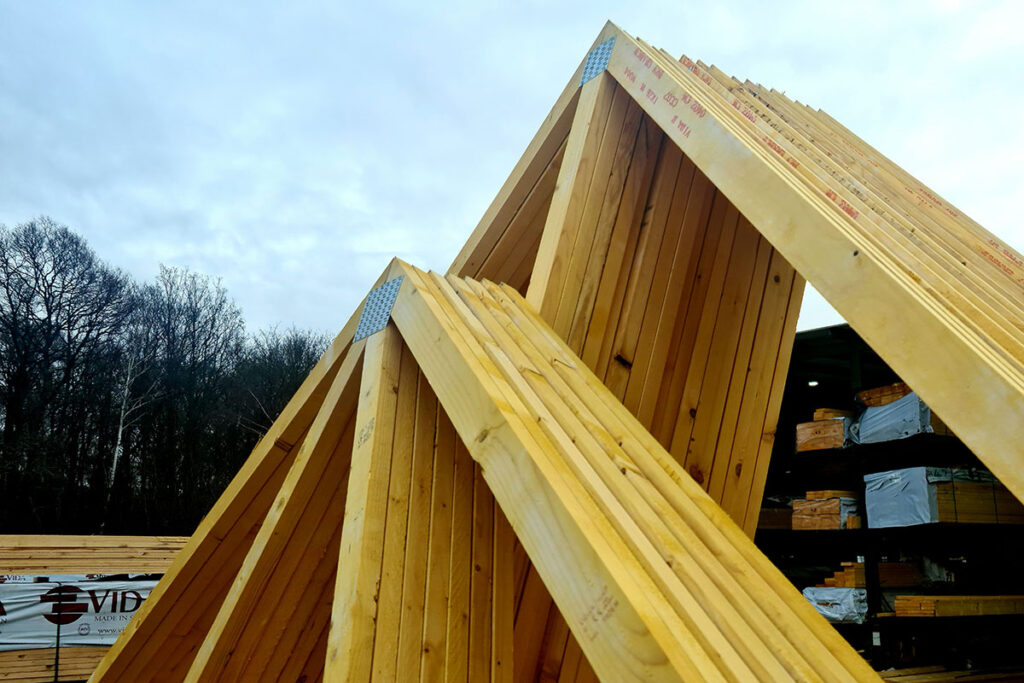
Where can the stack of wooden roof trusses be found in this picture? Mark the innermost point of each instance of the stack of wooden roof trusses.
(557, 477)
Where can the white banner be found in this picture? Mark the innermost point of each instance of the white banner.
(86, 612)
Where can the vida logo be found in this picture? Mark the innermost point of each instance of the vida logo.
(67, 608)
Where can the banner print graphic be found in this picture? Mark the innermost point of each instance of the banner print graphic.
(86, 612)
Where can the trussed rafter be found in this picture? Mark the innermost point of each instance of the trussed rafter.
(661, 222)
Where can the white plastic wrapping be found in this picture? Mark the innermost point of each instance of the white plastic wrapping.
(86, 612)
(897, 420)
(839, 605)
(903, 497)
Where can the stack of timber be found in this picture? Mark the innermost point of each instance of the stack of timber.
(977, 502)
(958, 605)
(62, 555)
(822, 434)
(650, 575)
(661, 225)
(831, 413)
(775, 518)
(38, 666)
(850, 576)
(827, 510)
(939, 674)
(946, 295)
(882, 396)
(899, 574)
(44, 555)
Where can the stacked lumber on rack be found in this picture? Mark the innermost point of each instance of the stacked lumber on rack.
(827, 510)
(831, 413)
(44, 555)
(660, 224)
(850, 576)
(898, 574)
(882, 396)
(939, 674)
(38, 666)
(977, 502)
(775, 518)
(958, 605)
(822, 434)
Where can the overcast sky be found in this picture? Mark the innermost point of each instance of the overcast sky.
(292, 148)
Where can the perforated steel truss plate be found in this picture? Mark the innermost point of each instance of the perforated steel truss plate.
(597, 60)
(377, 309)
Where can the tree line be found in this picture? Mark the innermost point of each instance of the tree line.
(126, 407)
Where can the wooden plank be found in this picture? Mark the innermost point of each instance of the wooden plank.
(619, 205)
(677, 242)
(733, 420)
(502, 600)
(571, 662)
(517, 249)
(548, 514)
(296, 645)
(457, 653)
(500, 213)
(618, 354)
(648, 386)
(320, 463)
(556, 637)
(754, 492)
(531, 621)
(821, 434)
(724, 541)
(689, 406)
(41, 554)
(481, 589)
(714, 384)
(569, 201)
(202, 572)
(684, 333)
(435, 609)
(622, 244)
(389, 600)
(848, 269)
(37, 665)
(350, 643)
(649, 519)
(415, 575)
(571, 314)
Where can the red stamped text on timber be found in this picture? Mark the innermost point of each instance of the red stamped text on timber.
(1005, 251)
(696, 70)
(842, 204)
(672, 99)
(646, 61)
(774, 146)
(600, 611)
(747, 114)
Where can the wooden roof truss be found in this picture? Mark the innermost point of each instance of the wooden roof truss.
(558, 477)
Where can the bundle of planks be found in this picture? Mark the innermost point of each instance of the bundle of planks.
(898, 574)
(828, 509)
(822, 434)
(43, 555)
(38, 666)
(850, 576)
(977, 502)
(882, 396)
(940, 674)
(958, 605)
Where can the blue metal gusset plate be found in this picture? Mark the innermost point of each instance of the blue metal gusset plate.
(377, 309)
(597, 60)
